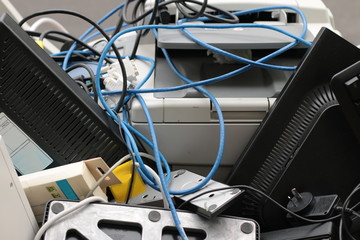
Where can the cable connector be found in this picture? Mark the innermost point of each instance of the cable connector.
(113, 75)
(309, 206)
(113, 79)
(164, 15)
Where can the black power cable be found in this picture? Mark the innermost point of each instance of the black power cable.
(139, 33)
(119, 23)
(118, 56)
(228, 16)
(91, 74)
(45, 35)
(264, 195)
(74, 55)
(214, 17)
(82, 84)
(343, 219)
(197, 14)
(38, 34)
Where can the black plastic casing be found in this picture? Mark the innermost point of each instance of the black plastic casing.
(40, 98)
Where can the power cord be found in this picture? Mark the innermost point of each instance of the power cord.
(123, 160)
(123, 70)
(345, 209)
(91, 74)
(64, 213)
(264, 195)
(198, 13)
(45, 34)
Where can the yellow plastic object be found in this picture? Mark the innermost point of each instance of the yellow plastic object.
(120, 191)
(40, 43)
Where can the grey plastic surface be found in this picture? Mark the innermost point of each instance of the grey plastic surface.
(236, 38)
(254, 83)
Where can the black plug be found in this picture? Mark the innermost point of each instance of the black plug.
(300, 203)
(309, 206)
(164, 15)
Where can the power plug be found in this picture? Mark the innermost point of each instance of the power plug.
(300, 203)
(309, 206)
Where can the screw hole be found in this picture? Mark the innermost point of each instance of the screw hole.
(211, 195)
(145, 196)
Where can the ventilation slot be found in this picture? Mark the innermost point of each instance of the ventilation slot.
(308, 112)
(49, 106)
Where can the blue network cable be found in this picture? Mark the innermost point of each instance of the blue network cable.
(149, 143)
(212, 80)
(131, 142)
(151, 127)
(257, 10)
(284, 49)
(110, 29)
(207, 81)
(72, 48)
(143, 172)
(233, 56)
(160, 170)
(148, 178)
(134, 150)
(172, 27)
(221, 26)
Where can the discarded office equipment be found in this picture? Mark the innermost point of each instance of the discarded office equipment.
(304, 142)
(59, 123)
(346, 86)
(113, 221)
(71, 181)
(319, 231)
(17, 219)
(186, 118)
(209, 205)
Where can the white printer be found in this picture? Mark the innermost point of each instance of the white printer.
(186, 123)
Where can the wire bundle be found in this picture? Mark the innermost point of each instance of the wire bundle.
(120, 113)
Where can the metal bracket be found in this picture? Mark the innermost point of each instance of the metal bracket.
(152, 223)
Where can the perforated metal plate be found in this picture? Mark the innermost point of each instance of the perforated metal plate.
(94, 221)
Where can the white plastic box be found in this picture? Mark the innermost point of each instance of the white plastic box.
(72, 181)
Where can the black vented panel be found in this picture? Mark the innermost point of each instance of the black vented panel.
(309, 111)
(48, 105)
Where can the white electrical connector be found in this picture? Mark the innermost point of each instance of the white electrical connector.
(113, 79)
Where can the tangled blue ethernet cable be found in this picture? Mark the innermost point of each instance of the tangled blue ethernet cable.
(128, 129)
(190, 84)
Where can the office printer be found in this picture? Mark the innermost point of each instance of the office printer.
(185, 121)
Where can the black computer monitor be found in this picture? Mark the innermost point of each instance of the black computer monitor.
(41, 100)
(304, 142)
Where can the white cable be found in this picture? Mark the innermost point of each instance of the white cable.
(49, 223)
(49, 21)
(157, 179)
(121, 161)
(48, 45)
